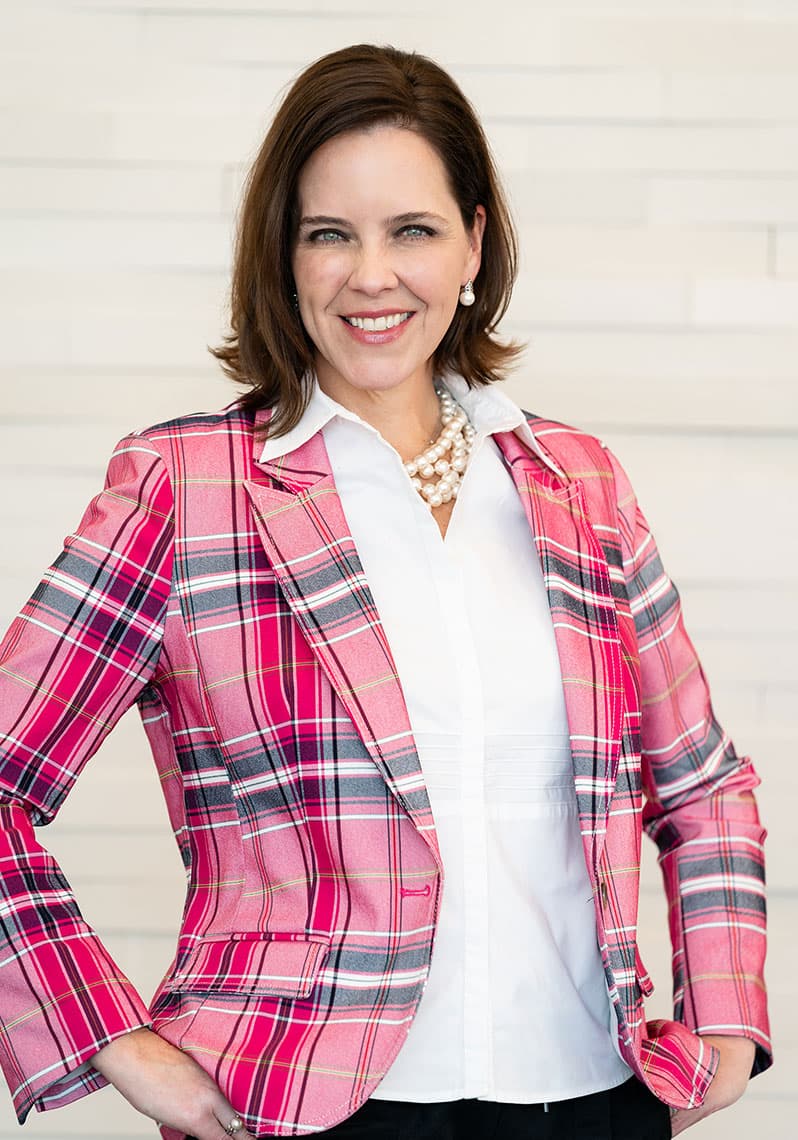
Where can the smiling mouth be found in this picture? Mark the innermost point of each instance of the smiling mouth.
(377, 324)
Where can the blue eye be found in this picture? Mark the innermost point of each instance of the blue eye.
(326, 237)
(416, 231)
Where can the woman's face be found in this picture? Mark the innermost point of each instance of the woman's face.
(380, 257)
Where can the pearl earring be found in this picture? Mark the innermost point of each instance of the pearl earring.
(467, 294)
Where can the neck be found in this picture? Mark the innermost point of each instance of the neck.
(407, 415)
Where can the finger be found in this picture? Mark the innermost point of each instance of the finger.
(215, 1131)
(231, 1123)
(211, 1129)
(168, 1133)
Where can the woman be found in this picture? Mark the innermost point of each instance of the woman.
(356, 692)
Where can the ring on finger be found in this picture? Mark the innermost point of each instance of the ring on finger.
(235, 1125)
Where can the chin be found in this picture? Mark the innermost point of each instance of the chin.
(382, 379)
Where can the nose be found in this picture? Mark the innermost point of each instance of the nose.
(372, 271)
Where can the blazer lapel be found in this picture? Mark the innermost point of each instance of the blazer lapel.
(302, 526)
(586, 630)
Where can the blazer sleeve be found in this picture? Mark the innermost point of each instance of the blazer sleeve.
(77, 656)
(699, 809)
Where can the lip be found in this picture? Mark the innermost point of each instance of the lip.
(383, 336)
(377, 313)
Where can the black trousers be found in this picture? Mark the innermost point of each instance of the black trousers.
(628, 1112)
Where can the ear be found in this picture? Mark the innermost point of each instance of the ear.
(475, 235)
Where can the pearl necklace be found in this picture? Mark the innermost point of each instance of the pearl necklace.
(457, 436)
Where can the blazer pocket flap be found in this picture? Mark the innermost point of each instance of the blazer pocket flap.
(278, 964)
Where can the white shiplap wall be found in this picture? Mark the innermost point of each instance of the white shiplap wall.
(651, 151)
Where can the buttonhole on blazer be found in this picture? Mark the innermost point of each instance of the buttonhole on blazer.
(405, 891)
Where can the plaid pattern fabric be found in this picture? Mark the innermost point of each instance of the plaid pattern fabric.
(226, 598)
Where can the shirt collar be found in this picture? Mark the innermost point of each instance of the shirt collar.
(320, 410)
(487, 407)
(491, 410)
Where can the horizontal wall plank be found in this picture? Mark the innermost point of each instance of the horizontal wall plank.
(116, 242)
(595, 301)
(174, 292)
(122, 82)
(749, 96)
(577, 197)
(786, 263)
(99, 190)
(38, 132)
(676, 43)
(745, 303)
(44, 27)
(637, 149)
(127, 400)
(679, 355)
(554, 95)
(723, 199)
(667, 252)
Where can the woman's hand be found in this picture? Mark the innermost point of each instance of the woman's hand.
(728, 1084)
(166, 1084)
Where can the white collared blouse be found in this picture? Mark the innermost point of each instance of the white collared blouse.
(515, 1008)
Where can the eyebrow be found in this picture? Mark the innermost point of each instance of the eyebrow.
(399, 219)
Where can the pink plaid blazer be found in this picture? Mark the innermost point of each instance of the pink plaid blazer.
(226, 598)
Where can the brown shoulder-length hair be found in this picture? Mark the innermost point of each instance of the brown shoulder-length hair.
(268, 349)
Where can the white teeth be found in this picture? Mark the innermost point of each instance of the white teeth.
(377, 324)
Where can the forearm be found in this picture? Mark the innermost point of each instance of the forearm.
(63, 996)
(162, 1082)
(729, 1083)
